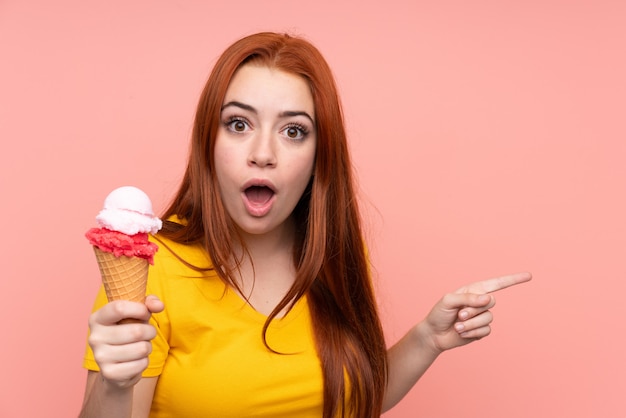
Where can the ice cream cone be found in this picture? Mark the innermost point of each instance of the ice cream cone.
(124, 278)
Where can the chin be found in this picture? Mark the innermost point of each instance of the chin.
(257, 229)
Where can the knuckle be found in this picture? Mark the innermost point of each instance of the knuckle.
(114, 373)
(140, 350)
(107, 373)
(97, 340)
(136, 332)
(93, 340)
(103, 358)
(119, 307)
(142, 364)
(448, 298)
(152, 332)
(92, 321)
(147, 348)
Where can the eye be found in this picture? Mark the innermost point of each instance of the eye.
(237, 124)
(295, 131)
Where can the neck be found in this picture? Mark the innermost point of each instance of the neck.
(272, 244)
(267, 270)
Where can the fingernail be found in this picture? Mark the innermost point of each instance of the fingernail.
(459, 327)
(463, 315)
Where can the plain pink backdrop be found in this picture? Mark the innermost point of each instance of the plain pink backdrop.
(489, 138)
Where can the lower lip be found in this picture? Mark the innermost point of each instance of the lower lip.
(256, 210)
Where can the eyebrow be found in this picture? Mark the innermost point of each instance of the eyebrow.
(286, 113)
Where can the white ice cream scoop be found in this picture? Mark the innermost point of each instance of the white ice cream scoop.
(128, 210)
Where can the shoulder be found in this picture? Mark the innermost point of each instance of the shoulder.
(175, 261)
(181, 276)
(193, 254)
(172, 251)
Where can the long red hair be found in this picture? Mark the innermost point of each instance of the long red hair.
(329, 253)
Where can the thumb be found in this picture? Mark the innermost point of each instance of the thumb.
(455, 301)
(154, 304)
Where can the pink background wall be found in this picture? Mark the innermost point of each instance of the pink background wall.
(489, 137)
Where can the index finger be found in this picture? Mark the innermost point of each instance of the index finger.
(115, 311)
(498, 283)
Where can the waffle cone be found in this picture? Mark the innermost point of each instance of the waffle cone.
(124, 278)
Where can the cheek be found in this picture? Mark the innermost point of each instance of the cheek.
(223, 161)
(311, 163)
(305, 171)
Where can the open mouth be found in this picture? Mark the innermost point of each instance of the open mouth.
(258, 195)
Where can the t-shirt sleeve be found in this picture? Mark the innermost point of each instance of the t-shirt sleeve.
(160, 347)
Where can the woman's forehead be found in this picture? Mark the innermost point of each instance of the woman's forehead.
(262, 86)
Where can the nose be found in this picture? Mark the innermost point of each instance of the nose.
(262, 150)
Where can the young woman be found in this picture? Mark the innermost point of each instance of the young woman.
(265, 306)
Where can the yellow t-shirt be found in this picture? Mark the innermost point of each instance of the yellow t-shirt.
(209, 354)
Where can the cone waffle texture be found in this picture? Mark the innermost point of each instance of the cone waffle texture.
(124, 278)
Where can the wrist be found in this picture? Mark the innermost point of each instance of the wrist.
(423, 335)
(115, 388)
(106, 398)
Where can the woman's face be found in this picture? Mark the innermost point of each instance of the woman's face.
(265, 148)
